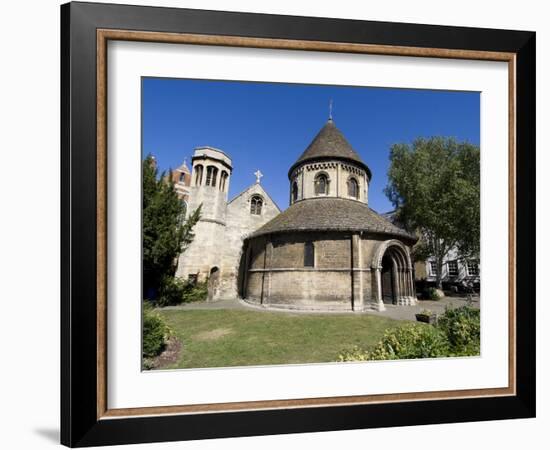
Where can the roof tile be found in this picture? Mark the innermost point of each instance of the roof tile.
(332, 214)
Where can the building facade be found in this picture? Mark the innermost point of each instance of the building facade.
(327, 251)
(216, 250)
(456, 270)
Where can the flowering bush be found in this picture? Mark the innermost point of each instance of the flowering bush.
(410, 341)
(462, 330)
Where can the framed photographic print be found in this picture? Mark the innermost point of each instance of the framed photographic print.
(276, 224)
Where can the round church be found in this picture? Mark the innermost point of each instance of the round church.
(328, 250)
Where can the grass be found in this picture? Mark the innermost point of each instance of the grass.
(223, 338)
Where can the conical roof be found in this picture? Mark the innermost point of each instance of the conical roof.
(328, 144)
(332, 214)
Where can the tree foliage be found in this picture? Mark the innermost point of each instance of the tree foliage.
(434, 186)
(166, 233)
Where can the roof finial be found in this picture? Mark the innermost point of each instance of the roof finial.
(330, 110)
(258, 176)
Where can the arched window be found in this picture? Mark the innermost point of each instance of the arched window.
(211, 174)
(214, 176)
(294, 191)
(353, 188)
(321, 184)
(198, 175)
(309, 254)
(223, 180)
(182, 177)
(256, 204)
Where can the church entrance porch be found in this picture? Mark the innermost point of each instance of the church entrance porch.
(393, 275)
(388, 296)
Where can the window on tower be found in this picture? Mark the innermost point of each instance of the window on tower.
(214, 176)
(223, 180)
(211, 174)
(353, 188)
(256, 204)
(294, 191)
(198, 175)
(321, 184)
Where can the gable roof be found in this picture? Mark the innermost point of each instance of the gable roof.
(329, 143)
(251, 188)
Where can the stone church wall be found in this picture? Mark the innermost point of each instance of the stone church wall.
(200, 257)
(239, 224)
(277, 276)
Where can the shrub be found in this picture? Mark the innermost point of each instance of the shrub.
(155, 332)
(410, 341)
(174, 291)
(431, 294)
(355, 353)
(461, 327)
(455, 334)
(195, 292)
(171, 291)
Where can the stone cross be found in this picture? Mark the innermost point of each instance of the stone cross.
(258, 175)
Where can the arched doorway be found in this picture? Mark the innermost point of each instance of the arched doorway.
(394, 278)
(213, 283)
(388, 295)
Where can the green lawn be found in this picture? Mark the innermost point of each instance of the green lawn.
(221, 338)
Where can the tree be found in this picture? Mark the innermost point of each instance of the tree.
(434, 186)
(166, 233)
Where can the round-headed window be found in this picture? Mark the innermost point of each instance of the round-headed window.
(353, 188)
(321, 184)
(294, 191)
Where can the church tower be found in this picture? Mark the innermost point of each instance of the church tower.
(329, 167)
(211, 170)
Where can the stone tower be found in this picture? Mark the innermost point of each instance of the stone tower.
(211, 170)
(329, 167)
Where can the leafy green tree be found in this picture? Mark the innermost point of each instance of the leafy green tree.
(166, 233)
(434, 186)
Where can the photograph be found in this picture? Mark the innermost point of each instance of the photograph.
(302, 223)
(283, 222)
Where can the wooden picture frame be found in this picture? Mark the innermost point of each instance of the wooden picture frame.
(86, 419)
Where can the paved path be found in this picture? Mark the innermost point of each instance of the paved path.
(437, 307)
(392, 311)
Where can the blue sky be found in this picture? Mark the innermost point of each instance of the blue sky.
(267, 126)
